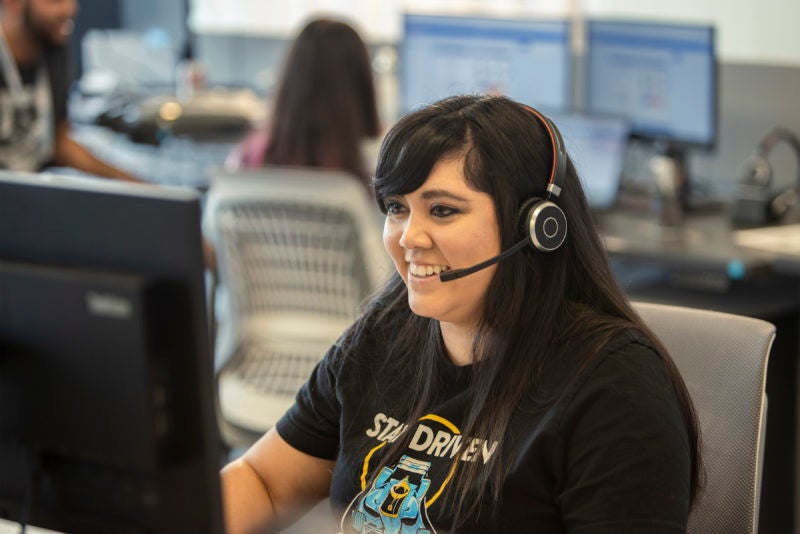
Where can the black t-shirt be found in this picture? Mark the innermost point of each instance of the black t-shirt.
(609, 455)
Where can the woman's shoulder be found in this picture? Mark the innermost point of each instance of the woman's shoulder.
(365, 337)
(628, 359)
(250, 152)
(630, 356)
(631, 352)
(629, 370)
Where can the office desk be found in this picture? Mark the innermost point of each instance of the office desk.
(700, 264)
(175, 162)
(703, 244)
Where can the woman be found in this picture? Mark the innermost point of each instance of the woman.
(324, 113)
(524, 397)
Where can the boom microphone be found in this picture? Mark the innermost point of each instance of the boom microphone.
(447, 276)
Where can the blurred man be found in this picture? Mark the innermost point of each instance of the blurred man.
(34, 81)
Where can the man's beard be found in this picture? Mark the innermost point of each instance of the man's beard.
(40, 32)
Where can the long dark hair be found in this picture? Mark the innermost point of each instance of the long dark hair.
(538, 306)
(325, 105)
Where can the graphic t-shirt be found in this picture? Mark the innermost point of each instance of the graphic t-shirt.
(28, 117)
(610, 453)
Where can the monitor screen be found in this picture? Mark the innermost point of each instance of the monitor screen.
(596, 145)
(106, 402)
(662, 77)
(526, 60)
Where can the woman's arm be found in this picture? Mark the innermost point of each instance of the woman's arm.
(272, 485)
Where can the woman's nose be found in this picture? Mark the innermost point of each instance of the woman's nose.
(415, 234)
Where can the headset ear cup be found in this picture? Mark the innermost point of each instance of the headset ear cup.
(544, 222)
(757, 171)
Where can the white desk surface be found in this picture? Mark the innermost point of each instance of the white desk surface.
(8, 527)
(784, 240)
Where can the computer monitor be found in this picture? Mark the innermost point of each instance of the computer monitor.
(106, 402)
(662, 77)
(596, 145)
(526, 60)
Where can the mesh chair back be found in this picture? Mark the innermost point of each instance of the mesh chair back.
(298, 251)
(723, 360)
(286, 257)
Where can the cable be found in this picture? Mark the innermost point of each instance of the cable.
(34, 470)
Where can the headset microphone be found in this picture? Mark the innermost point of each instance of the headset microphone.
(447, 276)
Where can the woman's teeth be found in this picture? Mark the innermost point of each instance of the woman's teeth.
(426, 270)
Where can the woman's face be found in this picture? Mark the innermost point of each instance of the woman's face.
(443, 225)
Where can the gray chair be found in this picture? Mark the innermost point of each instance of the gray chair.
(298, 250)
(723, 360)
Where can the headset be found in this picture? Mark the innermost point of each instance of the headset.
(540, 220)
(540, 217)
(756, 203)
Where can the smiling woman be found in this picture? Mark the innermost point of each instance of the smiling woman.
(524, 396)
(444, 224)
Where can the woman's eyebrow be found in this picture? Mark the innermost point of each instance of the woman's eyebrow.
(442, 193)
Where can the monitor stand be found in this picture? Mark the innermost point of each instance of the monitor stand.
(656, 179)
(671, 178)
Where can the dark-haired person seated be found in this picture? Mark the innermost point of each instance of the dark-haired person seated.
(324, 113)
(34, 132)
(520, 394)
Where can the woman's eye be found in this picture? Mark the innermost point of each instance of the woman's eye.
(393, 207)
(442, 211)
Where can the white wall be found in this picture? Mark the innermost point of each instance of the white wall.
(379, 20)
(748, 31)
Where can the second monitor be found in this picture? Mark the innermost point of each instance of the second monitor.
(526, 60)
(661, 77)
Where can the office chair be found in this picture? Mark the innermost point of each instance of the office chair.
(298, 250)
(723, 360)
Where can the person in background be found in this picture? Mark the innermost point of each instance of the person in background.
(324, 112)
(34, 82)
(524, 396)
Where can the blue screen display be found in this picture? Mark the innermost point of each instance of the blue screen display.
(661, 77)
(596, 146)
(526, 60)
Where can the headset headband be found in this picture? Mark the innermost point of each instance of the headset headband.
(556, 180)
(774, 137)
